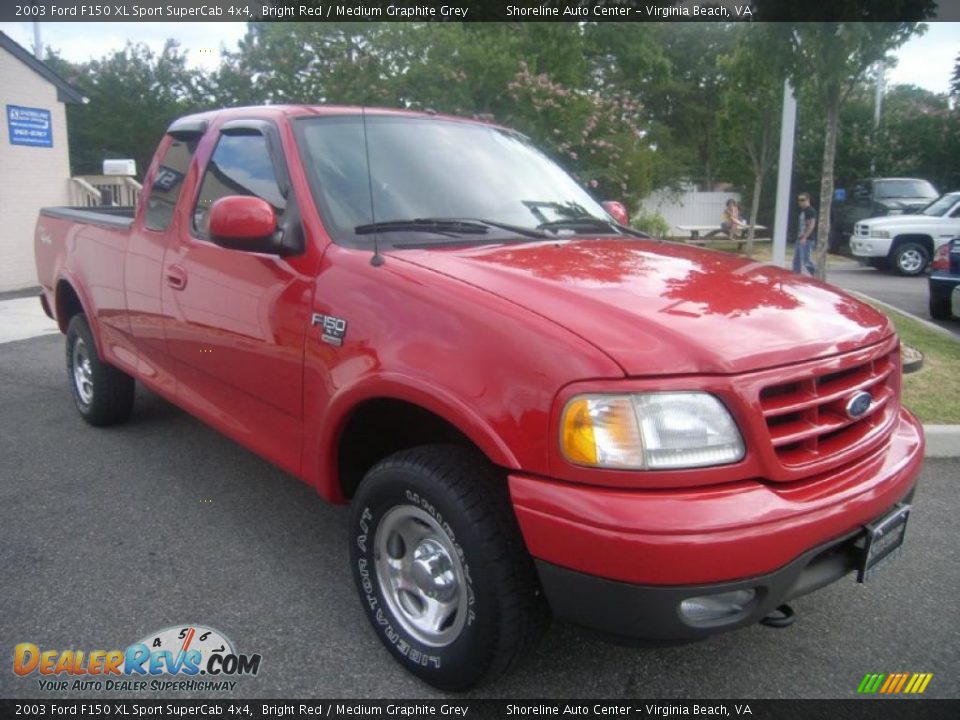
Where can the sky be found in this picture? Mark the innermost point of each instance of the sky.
(926, 61)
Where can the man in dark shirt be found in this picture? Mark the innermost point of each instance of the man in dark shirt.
(805, 239)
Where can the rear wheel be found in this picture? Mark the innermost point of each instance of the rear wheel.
(440, 566)
(910, 258)
(102, 393)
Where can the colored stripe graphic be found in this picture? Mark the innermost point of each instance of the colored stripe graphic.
(894, 683)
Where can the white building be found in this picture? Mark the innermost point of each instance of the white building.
(34, 156)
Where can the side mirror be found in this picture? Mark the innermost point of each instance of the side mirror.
(243, 222)
(617, 211)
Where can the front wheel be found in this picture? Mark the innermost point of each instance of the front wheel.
(441, 568)
(910, 258)
(102, 393)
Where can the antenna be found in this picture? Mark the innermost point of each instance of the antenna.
(377, 259)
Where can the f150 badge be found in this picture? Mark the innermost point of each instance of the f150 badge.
(332, 329)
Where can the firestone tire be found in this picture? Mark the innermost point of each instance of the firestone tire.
(441, 568)
(102, 393)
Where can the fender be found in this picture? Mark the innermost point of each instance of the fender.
(396, 386)
(65, 276)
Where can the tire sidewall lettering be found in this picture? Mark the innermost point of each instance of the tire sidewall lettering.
(407, 648)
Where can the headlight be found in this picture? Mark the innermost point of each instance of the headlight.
(649, 431)
(880, 234)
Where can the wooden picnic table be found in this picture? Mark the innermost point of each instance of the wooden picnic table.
(704, 234)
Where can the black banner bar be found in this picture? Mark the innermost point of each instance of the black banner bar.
(478, 10)
(859, 709)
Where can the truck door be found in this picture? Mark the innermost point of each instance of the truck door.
(143, 267)
(236, 321)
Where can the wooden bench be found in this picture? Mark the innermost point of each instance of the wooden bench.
(705, 234)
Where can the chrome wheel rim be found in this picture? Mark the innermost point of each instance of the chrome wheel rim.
(420, 575)
(911, 261)
(82, 371)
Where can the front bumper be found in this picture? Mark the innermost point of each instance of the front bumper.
(870, 246)
(622, 561)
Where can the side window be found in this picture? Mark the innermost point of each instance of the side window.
(167, 184)
(240, 166)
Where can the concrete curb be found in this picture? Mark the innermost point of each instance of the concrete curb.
(943, 441)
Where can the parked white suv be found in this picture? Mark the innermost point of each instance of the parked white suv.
(906, 243)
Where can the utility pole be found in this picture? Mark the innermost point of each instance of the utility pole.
(788, 125)
(879, 69)
(37, 44)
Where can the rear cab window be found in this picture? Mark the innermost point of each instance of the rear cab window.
(167, 184)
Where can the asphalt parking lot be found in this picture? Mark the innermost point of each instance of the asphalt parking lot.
(909, 294)
(107, 536)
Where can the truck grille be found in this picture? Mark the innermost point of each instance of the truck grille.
(862, 231)
(807, 418)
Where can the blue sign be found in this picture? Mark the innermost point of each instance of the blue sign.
(29, 126)
(840, 194)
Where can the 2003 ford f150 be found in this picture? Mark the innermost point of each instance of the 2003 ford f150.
(532, 409)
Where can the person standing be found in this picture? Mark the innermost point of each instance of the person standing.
(805, 238)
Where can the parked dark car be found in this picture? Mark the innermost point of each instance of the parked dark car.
(875, 197)
(945, 282)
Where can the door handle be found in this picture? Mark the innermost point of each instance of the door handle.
(176, 277)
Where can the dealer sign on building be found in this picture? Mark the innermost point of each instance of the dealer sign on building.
(29, 126)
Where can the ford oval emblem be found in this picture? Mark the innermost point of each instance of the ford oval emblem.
(858, 404)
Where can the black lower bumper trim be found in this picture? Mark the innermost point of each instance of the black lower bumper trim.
(652, 612)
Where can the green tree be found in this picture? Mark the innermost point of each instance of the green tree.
(134, 94)
(337, 63)
(919, 136)
(750, 115)
(830, 59)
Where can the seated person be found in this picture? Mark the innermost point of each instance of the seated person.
(731, 222)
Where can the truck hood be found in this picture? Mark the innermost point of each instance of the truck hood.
(904, 203)
(896, 221)
(665, 308)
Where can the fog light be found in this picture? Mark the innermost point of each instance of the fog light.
(709, 608)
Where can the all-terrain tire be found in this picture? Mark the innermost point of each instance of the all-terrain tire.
(441, 568)
(102, 393)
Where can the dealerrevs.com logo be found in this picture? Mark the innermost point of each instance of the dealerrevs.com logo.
(179, 658)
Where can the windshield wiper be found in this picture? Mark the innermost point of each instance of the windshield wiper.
(447, 226)
(439, 226)
(589, 222)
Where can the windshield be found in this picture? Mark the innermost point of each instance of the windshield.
(904, 189)
(431, 168)
(941, 206)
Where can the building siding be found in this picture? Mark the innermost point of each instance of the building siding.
(30, 177)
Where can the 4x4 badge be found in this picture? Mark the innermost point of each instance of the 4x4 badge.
(332, 329)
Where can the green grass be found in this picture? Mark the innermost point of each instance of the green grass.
(933, 393)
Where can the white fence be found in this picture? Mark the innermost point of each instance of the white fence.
(688, 207)
(92, 190)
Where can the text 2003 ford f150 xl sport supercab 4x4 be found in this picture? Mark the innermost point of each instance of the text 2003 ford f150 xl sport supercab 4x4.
(531, 408)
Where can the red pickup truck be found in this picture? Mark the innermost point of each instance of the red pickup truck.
(532, 409)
